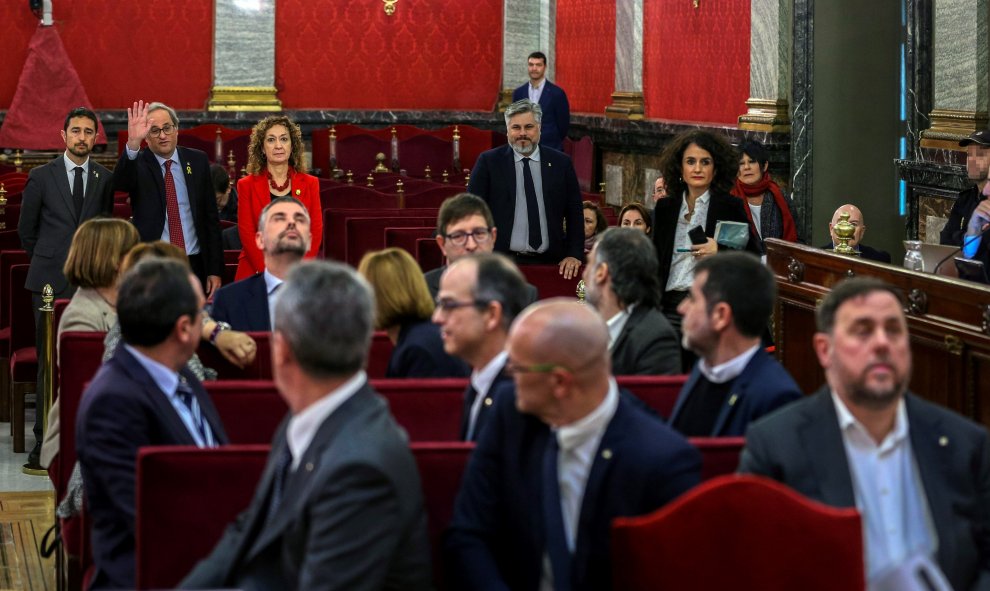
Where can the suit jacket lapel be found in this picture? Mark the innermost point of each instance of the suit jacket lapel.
(258, 300)
(685, 392)
(90, 203)
(297, 485)
(186, 163)
(822, 440)
(61, 181)
(165, 411)
(932, 448)
(156, 173)
(739, 388)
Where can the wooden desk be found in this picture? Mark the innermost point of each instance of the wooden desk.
(949, 321)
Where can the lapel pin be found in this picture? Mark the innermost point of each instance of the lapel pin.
(943, 441)
(96, 174)
(549, 164)
(188, 168)
(309, 466)
(733, 398)
(606, 454)
(488, 401)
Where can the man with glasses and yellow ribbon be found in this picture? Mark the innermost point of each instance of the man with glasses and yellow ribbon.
(171, 191)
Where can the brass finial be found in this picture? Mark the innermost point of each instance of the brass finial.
(467, 180)
(457, 133)
(389, 7)
(446, 177)
(844, 231)
(333, 133)
(350, 178)
(398, 187)
(579, 291)
(231, 161)
(18, 161)
(601, 188)
(371, 180)
(426, 172)
(380, 163)
(243, 171)
(47, 298)
(3, 195)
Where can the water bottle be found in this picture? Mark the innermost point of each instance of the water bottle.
(912, 258)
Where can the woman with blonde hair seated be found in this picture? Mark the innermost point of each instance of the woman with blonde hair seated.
(93, 267)
(403, 309)
(275, 169)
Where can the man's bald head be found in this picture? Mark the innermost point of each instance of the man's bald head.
(855, 218)
(558, 351)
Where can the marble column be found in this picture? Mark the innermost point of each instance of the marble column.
(802, 129)
(769, 66)
(528, 26)
(244, 56)
(960, 73)
(627, 99)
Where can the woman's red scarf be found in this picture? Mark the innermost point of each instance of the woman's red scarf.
(742, 191)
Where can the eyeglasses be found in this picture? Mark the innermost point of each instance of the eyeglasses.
(512, 368)
(481, 236)
(448, 305)
(167, 129)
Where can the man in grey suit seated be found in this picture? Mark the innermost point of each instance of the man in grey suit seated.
(339, 505)
(465, 226)
(918, 473)
(621, 281)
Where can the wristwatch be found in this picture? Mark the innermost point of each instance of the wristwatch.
(220, 327)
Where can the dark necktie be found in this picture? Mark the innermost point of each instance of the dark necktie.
(185, 394)
(77, 190)
(469, 396)
(532, 207)
(279, 477)
(553, 520)
(172, 209)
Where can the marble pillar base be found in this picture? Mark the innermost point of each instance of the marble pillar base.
(244, 98)
(504, 99)
(766, 115)
(626, 105)
(948, 126)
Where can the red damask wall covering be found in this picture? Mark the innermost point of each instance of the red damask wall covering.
(109, 44)
(696, 60)
(431, 54)
(586, 53)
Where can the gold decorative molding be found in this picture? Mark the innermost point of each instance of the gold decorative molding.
(389, 7)
(244, 98)
(626, 105)
(948, 126)
(504, 99)
(766, 115)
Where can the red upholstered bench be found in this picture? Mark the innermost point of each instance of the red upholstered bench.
(251, 410)
(365, 234)
(706, 540)
(428, 254)
(658, 392)
(335, 225)
(719, 455)
(23, 352)
(185, 498)
(434, 197)
(8, 258)
(381, 351)
(549, 281)
(405, 238)
(428, 409)
(10, 240)
(356, 196)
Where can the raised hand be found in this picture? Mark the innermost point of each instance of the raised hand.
(137, 125)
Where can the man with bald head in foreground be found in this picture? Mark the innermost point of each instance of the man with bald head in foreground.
(558, 461)
(856, 219)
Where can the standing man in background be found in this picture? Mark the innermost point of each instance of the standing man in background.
(551, 98)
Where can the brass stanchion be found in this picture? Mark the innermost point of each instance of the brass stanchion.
(45, 395)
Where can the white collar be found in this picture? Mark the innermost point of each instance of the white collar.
(539, 86)
(481, 379)
(593, 424)
(70, 165)
(302, 427)
(535, 156)
(849, 423)
(729, 370)
(271, 282)
(617, 323)
(174, 157)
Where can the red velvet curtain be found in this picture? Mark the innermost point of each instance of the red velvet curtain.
(586, 53)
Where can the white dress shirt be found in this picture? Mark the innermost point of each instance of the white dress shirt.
(682, 265)
(182, 196)
(889, 495)
(519, 240)
(481, 381)
(729, 370)
(535, 92)
(70, 173)
(303, 426)
(272, 283)
(616, 323)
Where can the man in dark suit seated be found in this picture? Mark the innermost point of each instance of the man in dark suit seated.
(144, 395)
(533, 195)
(621, 281)
(283, 237)
(735, 381)
(58, 197)
(464, 227)
(339, 504)
(172, 196)
(856, 219)
(971, 211)
(918, 473)
(558, 461)
(551, 98)
(480, 296)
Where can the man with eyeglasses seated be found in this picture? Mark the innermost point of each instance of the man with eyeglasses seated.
(465, 226)
(856, 219)
(480, 296)
(558, 462)
(171, 189)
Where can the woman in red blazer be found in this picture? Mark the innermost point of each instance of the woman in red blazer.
(275, 164)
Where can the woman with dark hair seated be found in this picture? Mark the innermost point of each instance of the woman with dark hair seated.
(637, 217)
(699, 168)
(594, 224)
(768, 210)
(403, 309)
